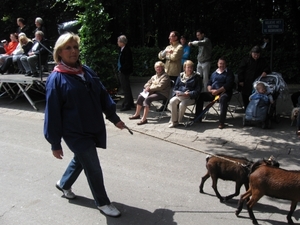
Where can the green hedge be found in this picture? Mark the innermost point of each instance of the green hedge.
(284, 62)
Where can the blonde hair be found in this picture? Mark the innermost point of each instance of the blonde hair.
(61, 42)
(159, 63)
(23, 40)
(188, 63)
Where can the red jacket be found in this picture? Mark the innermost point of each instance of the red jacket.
(10, 47)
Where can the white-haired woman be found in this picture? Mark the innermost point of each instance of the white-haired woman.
(157, 88)
(186, 90)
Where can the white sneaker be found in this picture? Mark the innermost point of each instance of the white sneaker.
(109, 210)
(67, 193)
(173, 124)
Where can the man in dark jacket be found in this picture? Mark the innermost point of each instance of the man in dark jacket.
(125, 69)
(220, 83)
(37, 55)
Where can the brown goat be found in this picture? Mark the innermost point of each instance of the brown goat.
(231, 168)
(227, 168)
(273, 182)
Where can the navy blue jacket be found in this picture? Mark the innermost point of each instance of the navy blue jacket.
(225, 79)
(193, 85)
(74, 111)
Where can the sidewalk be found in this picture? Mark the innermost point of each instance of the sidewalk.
(206, 136)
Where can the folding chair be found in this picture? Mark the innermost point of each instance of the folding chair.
(163, 103)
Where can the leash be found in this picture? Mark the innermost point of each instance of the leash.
(184, 146)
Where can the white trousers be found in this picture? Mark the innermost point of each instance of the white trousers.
(177, 105)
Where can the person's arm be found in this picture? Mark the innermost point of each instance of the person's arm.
(203, 42)
(162, 54)
(196, 88)
(10, 47)
(229, 83)
(163, 83)
(148, 84)
(53, 119)
(266, 68)
(176, 54)
(126, 61)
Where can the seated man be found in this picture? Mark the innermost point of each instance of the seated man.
(39, 49)
(221, 83)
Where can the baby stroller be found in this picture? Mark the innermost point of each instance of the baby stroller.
(260, 111)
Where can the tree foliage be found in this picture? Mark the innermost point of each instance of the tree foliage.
(233, 26)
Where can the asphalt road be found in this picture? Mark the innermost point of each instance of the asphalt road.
(152, 182)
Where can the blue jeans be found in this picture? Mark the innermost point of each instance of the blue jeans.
(88, 161)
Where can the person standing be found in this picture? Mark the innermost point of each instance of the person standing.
(39, 23)
(251, 67)
(204, 56)
(172, 54)
(22, 27)
(186, 49)
(220, 83)
(75, 103)
(125, 69)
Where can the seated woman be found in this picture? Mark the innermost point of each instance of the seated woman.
(9, 47)
(186, 90)
(157, 88)
(26, 45)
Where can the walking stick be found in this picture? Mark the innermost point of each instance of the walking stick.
(204, 111)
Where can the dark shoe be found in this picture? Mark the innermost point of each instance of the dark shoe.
(28, 74)
(142, 122)
(134, 117)
(36, 74)
(125, 109)
(1, 72)
(221, 125)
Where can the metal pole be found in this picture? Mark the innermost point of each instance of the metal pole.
(271, 59)
(40, 66)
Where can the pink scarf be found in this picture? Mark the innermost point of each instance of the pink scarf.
(63, 68)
